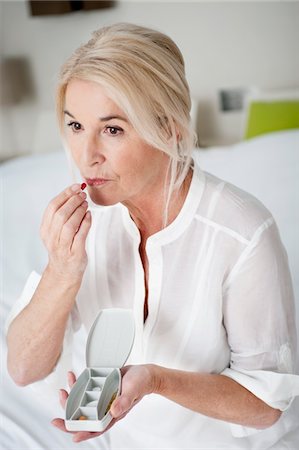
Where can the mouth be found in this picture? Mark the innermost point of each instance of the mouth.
(96, 181)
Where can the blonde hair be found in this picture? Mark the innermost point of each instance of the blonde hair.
(143, 72)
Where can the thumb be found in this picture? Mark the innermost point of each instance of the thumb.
(121, 405)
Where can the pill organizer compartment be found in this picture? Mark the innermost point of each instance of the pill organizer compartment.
(108, 346)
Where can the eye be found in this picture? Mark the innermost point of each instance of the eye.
(113, 131)
(75, 126)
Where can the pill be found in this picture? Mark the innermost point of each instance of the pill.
(82, 418)
(83, 186)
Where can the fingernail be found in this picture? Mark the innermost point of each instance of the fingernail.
(76, 187)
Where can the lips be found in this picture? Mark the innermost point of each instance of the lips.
(96, 181)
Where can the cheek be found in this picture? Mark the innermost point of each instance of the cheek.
(138, 163)
(128, 168)
(75, 147)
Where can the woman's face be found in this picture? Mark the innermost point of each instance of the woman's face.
(117, 165)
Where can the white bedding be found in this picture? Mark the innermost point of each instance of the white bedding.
(267, 166)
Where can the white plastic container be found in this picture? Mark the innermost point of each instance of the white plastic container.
(109, 344)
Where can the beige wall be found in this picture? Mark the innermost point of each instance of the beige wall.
(225, 44)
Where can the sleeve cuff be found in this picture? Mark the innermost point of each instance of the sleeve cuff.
(24, 299)
(276, 389)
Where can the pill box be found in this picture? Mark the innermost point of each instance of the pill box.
(108, 346)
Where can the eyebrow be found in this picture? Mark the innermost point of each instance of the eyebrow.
(102, 119)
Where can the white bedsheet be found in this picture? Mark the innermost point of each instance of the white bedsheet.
(267, 166)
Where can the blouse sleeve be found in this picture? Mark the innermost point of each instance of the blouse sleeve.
(57, 378)
(259, 317)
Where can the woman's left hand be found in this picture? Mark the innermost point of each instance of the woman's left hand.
(137, 381)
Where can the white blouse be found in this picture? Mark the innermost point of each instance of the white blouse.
(220, 301)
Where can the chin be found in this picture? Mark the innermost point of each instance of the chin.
(103, 200)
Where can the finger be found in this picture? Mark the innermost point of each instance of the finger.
(121, 405)
(66, 212)
(60, 424)
(71, 377)
(70, 227)
(56, 218)
(85, 435)
(60, 200)
(82, 232)
(63, 396)
(79, 435)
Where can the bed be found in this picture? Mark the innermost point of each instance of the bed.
(267, 166)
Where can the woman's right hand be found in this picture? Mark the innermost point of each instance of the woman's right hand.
(78, 436)
(64, 229)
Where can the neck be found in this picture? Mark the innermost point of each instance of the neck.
(149, 215)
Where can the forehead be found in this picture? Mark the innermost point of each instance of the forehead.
(84, 96)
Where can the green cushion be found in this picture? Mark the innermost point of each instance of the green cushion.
(267, 116)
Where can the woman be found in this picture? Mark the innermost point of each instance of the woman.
(199, 261)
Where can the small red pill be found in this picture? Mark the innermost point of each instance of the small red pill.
(83, 186)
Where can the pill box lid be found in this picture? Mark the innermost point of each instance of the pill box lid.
(110, 338)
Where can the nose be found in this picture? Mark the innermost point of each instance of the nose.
(93, 153)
